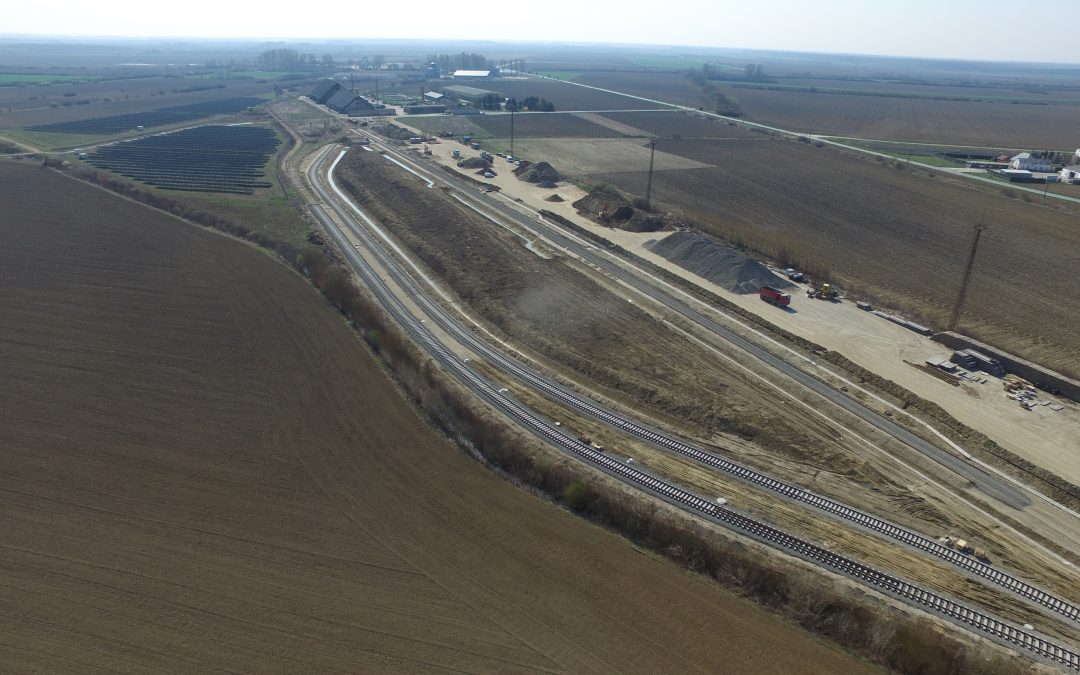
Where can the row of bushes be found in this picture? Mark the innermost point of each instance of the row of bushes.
(872, 629)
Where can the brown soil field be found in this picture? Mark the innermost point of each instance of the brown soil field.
(582, 156)
(566, 97)
(526, 125)
(894, 236)
(674, 88)
(996, 124)
(543, 125)
(682, 125)
(1016, 91)
(203, 470)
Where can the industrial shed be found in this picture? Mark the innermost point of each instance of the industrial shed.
(470, 95)
(474, 74)
(348, 102)
(323, 91)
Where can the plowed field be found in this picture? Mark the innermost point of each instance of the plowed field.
(996, 124)
(899, 237)
(204, 471)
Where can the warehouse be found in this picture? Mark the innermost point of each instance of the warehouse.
(468, 95)
(322, 92)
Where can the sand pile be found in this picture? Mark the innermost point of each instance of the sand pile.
(717, 262)
(554, 198)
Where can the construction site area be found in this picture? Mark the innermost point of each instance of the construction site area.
(527, 289)
(475, 337)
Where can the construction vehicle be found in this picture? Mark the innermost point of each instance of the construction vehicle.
(825, 292)
(456, 154)
(774, 297)
(964, 547)
(604, 216)
(427, 150)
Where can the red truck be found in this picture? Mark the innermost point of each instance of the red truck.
(773, 296)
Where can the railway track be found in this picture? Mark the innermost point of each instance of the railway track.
(545, 429)
(678, 446)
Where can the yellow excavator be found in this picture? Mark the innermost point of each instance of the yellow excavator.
(825, 292)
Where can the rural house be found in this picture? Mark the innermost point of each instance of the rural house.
(1024, 161)
(1070, 174)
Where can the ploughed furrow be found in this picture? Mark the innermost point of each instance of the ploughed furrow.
(625, 471)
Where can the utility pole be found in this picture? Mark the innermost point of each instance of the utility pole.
(648, 186)
(513, 108)
(979, 229)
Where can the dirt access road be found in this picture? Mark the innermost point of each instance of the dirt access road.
(1048, 438)
(205, 471)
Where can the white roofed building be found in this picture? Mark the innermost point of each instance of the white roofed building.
(1025, 162)
(474, 74)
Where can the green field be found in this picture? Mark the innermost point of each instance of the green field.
(244, 75)
(681, 62)
(9, 79)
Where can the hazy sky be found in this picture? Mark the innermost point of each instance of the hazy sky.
(1009, 30)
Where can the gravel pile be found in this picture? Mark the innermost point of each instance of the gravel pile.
(717, 262)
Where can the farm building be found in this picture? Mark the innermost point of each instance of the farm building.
(323, 91)
(470, 95)
(1026, 162)
(1070, 174)
(1018, 175)
(348, 102)
(475, 74)
(433, 96)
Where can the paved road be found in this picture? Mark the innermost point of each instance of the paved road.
(990, 484)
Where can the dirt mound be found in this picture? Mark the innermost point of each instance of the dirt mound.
(394, 132)
(717, 262)
(620, 211)
(605, 198)
(541, 173)
(522, 168)
(474, 163)
(554, 198)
